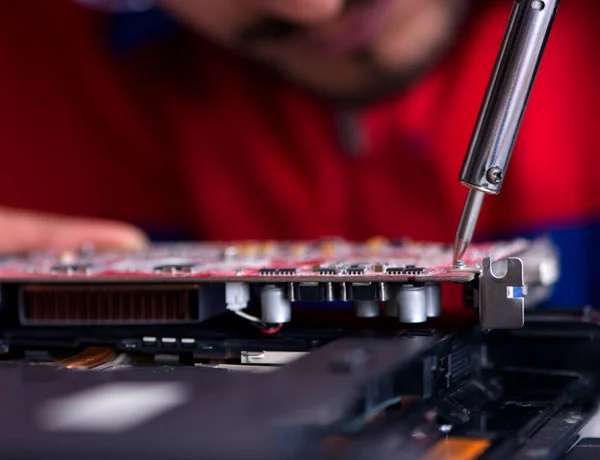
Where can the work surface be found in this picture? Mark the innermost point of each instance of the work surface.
(403, 394)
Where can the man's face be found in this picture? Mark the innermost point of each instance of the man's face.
(349, 50)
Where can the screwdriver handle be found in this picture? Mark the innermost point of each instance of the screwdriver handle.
(507, 94)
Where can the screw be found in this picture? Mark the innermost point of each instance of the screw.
(459, 264)
(494, 175)
(538, 5)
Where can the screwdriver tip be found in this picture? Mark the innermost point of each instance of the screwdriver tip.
(460, 247)
(468, 221)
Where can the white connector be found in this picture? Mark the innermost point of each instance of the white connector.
(237, 296)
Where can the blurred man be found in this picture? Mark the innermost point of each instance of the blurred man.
(237, 119)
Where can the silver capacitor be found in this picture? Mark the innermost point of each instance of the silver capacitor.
(434, 300)
(275, 308)
(412, 304)
(367, 308)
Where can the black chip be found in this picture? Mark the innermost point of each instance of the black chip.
(71, 268)
(170, 268)
(356, 270)
(308, 292)
(408, 270)
(328, 271)
(286, 271)
(412, 270)
(363, 291)
(267, 271)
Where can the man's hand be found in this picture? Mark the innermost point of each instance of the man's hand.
(22, 231)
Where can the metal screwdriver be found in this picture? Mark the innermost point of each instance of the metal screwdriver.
(501, 113)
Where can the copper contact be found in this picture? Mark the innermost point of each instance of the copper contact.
(88, 358)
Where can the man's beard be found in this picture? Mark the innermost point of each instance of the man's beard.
(379, 83)
(272, 29)
(379, 80)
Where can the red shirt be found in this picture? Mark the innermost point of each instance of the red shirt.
(182, 135)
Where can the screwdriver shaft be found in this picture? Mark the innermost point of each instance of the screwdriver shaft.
(501, 114)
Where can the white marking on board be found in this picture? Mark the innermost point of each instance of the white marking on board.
(112, 407)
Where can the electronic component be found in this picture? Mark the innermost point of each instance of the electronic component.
(367, 309)
(275, 308)
(237, 296)
(309, 292)
(70, 269)
(228, 262)
(363, 292)
(328, 271)
(178, 283)
(412, 270)
(411, 304)
(433, 293)
(175, 268)
(356, 270)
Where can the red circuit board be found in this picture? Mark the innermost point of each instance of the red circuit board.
(254, 261)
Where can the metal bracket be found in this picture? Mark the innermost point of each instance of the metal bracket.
(501, 302)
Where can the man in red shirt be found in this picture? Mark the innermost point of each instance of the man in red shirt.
(283, 119)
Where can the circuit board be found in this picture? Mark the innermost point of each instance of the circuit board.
(192, 282)
(327, 260)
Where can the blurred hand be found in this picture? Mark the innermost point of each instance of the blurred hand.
(22, 231)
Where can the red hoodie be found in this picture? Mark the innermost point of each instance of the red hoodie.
(181, 135)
